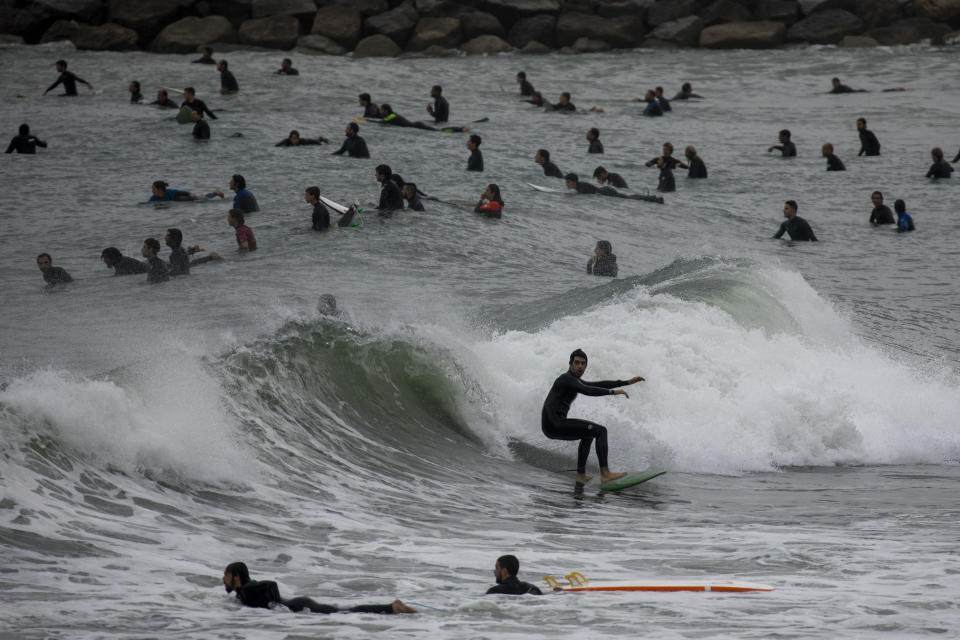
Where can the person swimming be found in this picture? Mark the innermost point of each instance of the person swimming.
(163, 100)
(201, 130)
(370, 109)
(440, 109)
(698, 168)
(286, 68)
(122, 265)
(243, 198)
(475, 162)
(563, 104)
(542, 158)
(881, 213)
(653, 107)
(390, 197)
(686, 92)
(798, 229)
(593, 137)
(615, 179)
(320, 220)
(293, 139)
(839, 87)
(353, 145)
(490, 203)
(228, 83)
(664, 103)
(869, 144)
(24, 142)
(52, 275)
(135, 96)
(191, 100)
(786, 147)
(412, 196)
(505, 571)
(162, 193)
(526, 89)
(904, 220)
(666, 163)
(833, 162)
(68, 79)
(940, 167)
(603, 262)
(394, 119)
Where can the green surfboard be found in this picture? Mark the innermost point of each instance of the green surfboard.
(630, 479)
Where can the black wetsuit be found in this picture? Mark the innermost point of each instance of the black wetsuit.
(616, 180)
(798, 229)
(557, 426)
(882, 215)
(25, 144)
(69, 80)
(685, 95)
(201, 130)
(158, 271)
(869, 145)
(136, 98)
(354, 146)
(321, 217)
(595, 147)
(787, 149)
(204, 60)
(526, 89)
(56, 275)
(390, 196)
(166, 104)
(415, 203)
(666, 181)
(441, 109)
(603, 266)
(127, 266)
(371, 111)
(179, 262)
(552, 170)
(586, 188)
(563, 107)
(513, 586)
(397, 120)
(941, 169)
(834, 163)
(199, 105)
(698, 169)
(288, 72)
(842, 88)
(475, 163)
(653, 108)
(228, 81)
(664, 104)
(305, 142)
(263, 593)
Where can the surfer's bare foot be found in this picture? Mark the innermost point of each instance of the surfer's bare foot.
(583, 478)
(399, 607)
(606, 475)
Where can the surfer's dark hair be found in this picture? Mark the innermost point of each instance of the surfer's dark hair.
(544, 153)
(240, 181)
(364, 96)
(792, 204)
(578, 353)
(314, 191)
(571, 177)
(353, 126)
(237, 215)
(599, 171)
(240, 570)
(176, 235)
(384, 170)
(154, 244)
(510, 563)
(522, 74)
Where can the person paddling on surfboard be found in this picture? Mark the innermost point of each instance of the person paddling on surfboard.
(557, 426)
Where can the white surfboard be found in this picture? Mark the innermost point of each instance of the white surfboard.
(546, 189)
(336, 206)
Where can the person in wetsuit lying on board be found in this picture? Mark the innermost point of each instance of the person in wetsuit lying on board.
(395, 119)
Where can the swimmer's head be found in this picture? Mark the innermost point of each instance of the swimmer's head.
(784, 135)
(44, 261)
(134, 87)
(686, 87)
(690, 152)
(861, 124)
(877, 198)
(151, 247)
(593, 134)
(826, 149)
(899, 206)
(238, 181)
(364, 99)
(383, 172)
(159, 188)
(572, 180)
(294, 137)
(110, 255)
(521, 76)
(790, 208)
(235, 576)
(24, 129)
(649, 95)
(604, 248)
(409, 190)
(174, 238)
(600, 173)
(937, 153)
(667, 149)
(474, 140)
(542, 156)
(436, 91)
(189, 92)
(836, 82)
(312, 194)
(493, 192)
(352, 128)
(61, 65)
(386, 110)
(565, 97)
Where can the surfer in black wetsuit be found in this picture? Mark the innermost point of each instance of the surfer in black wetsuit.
(122, 265)
(593, 137)
(475, 163)
(615, 179)
(440, 109)
(940, 167)
(395, 119)
(698, 168)
(163, 100)
(23, 142)
(603, 262)
(557, 426)
(833, 162)
(786, 148)
(796, 227)
(206, 57)
(666, 163)
(869, 145)
(526, 89)
(505, 572)
(574, 183)
(353, 145)
(286, 68)
(664, 103)
(52, 275)
(390, 197)
(653, 108)
(228, 83)
(265, 593)
(370, 110)
(157, 271)
(201, 130)
(563, 104)
(321, 217)
(191, 100)
(686, 92)
(839, 87)
(294, 140)
(412, 196)
(542, 158)
(135, 96)
(536, 99)
(69, 80)
(881, 213)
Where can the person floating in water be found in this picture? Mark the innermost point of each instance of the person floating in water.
(24, 142)
(246, 241)
(69, 80)
(390, 197)
(833, 162)
(286, 68)
(370, 109)
(904, 220)
(162, 193)
(321, 216)
(593, 137)
(796, 227)
(839, 87)
(395, 119)
(265, 594)
(542, 158)
(940, 167)
(786, 147)
(505, 572)
(293, 139)
(157, 270)
(563, 104)
(201, 130)
(475, 162)
(869, 145)
(557, 426)
(353, 145)
(136, 97)
(574, 183)
(698, 168)
(603, 262)
(686, 92)
(440, 109)
(491, 202)
(180, 262)
(228, 83)
(122, 265)
(614, 179)
(52, 275)
(526, 89)
(163, 100)
(536, 99)
(666, 163)
(191, 100)
(881, 213)
(206, 57)
(412, 196)
(653, 107)
(243, 199)
(664, 103)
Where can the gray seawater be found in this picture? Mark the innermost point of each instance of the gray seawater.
(803, 398)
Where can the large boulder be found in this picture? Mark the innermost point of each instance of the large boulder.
(186, 34)
(272, 32)
(236, 11)
(541, 29)
(340, 23)
(619, 8)
(785, 11)
(82, 10)
(486, 43)
(24, 21)
(809, 7)
(588, 45)
(440, 32)
(670, 10)
(478, 23)
(533, 47)
(617, 32)
(377, 46)
(909, 31)
(368, 7)
(397, 24)
(104, 37)
(940, 10)
(825, 27)
(725, 11)
(509, 12)
(10, 38)
(685, 32)
(320, 44)
(879, 13)
(298, 8)
(743, 35)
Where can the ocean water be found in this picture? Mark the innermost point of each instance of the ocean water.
(802, 397)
